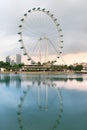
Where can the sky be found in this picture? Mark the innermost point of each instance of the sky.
(71, 14)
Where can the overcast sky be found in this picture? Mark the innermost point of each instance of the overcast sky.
(71, 14)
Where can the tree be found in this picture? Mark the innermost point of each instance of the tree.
(78, 68)
(71, 67)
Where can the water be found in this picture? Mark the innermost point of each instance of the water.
(43, 102)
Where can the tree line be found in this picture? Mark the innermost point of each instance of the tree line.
(16, 67)
(9, 67)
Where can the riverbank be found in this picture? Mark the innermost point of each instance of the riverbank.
(42, 72)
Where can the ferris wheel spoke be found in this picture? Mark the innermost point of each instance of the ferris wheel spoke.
(35, 49)
(53, 46)
(28, 27)
(30, 31)
(63, 60)
(50, 28)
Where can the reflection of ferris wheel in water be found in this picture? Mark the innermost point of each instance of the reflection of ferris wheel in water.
(48, 109)
(40, 36)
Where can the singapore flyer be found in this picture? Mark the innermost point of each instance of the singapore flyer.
(40, 36)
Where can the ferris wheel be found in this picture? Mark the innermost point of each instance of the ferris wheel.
(40, 36)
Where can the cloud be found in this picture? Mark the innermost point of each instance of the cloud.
(75, 58)
(71, 15)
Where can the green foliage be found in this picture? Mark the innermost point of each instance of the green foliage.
(71, 67)
(78, 68)
(75, 68)
(9, 67)
(39, 63)
(4, 64)
(16, 67)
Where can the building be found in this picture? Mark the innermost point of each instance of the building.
(8, 59)
(18, 59)
(12, 62)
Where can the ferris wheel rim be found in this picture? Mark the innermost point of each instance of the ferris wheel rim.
(57, 25)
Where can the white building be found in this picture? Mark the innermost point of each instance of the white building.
(18, 59)
(8, 59)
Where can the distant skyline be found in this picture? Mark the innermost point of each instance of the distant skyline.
(71, 15)
(17, 59)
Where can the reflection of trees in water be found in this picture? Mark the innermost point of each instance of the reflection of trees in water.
(48, 105)
(13, 77)
(18, 79)
(7, 79)
(79, 79)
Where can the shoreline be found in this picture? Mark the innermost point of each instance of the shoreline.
(42, 72)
